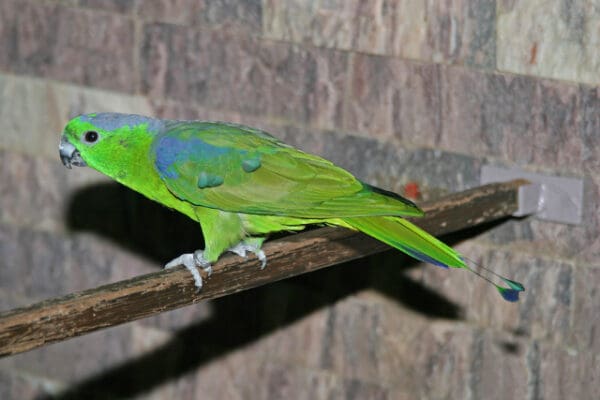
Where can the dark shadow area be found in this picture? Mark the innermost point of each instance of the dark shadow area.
(152, 230)
(469, 233)
(510, 347)
(133, 221)
(264, 310)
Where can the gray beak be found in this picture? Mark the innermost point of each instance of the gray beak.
(69, 155)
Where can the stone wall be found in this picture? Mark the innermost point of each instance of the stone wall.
(393, 90)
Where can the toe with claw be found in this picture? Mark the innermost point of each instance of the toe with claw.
(193, 261)
(241, 248)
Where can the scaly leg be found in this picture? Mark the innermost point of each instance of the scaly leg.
(221, 229)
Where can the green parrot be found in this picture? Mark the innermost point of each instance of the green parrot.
(241, 184)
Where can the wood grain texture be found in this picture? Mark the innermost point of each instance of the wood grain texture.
(109, 305)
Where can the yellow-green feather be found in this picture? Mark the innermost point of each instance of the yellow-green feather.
(408, 238)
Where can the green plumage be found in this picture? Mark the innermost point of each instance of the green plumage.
(288, 182)
(241, 184)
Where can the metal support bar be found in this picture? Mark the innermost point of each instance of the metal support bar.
(550, 198)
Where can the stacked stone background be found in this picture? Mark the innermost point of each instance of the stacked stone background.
(394, 91)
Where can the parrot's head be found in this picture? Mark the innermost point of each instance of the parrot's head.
(104, 139)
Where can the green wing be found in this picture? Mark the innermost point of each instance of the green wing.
(240, 169)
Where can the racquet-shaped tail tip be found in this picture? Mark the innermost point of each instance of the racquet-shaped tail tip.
(511, 295)
(514, 285)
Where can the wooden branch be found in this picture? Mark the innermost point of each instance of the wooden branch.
(75, 314)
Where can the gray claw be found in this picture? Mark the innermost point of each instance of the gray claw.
(241, 248)
(192, 261)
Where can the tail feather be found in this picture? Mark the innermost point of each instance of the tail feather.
(412, 240)
(408, 238)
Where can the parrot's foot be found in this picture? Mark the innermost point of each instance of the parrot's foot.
(241, 248)
(193, 261)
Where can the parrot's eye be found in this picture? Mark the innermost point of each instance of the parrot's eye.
(90, 136)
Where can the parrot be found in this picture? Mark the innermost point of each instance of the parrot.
(242, 184)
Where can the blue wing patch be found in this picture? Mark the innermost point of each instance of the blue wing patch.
(170, 150)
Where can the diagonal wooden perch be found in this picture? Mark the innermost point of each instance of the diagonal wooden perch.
(75, 314)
